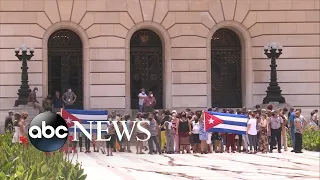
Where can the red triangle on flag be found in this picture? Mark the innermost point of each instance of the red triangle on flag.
(211, 121)
(68, 118)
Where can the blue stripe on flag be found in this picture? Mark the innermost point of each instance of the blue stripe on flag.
(87, 121)
(222, 130)
(87, 112)
(232, 123)
(227, 114)
(235, 123)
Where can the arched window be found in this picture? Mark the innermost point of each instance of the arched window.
(146, 66)
(65, 64)
(226, 69)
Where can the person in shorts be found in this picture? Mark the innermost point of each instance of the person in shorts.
(217, 142)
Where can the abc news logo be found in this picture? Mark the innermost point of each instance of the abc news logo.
(49, 132)
(35, 131)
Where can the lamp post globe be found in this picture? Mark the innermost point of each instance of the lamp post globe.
(273, 51)
(24, 54)
(17, 50)
(274, 46)
(24, 47)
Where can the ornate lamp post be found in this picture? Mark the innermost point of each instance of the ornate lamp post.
(24, 90)
(273, 92)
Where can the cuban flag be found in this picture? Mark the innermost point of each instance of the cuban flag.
(225, 123)
(84, 116)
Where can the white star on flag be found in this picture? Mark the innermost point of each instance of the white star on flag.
(68, 120)
(211, 121)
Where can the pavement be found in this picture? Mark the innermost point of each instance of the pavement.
(221, 166)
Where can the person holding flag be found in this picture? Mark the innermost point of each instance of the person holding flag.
(203, 135)
(225, 123)
(207, 122)
(69, 118)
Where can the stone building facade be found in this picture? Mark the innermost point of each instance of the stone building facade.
(185, 30)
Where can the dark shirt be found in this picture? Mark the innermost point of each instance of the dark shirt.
(166, 118)
(216, 136)
(184, 126)
(8, 124)
(47, 104)
(57, 103)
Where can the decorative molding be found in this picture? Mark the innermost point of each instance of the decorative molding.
(86, 57)
(167, 71)
(246, 60)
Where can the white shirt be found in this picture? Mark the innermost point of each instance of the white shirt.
(195, 127)
(169, 125)
(253, 127)
(141, 100)
(16, 135)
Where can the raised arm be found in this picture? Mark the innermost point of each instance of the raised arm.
(202, 116)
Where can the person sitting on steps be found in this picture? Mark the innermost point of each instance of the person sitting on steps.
(32, 100)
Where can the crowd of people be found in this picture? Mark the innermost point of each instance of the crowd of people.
(179, 132)
(183, 132)
(16, 123)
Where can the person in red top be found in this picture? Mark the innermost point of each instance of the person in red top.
(149, 102)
